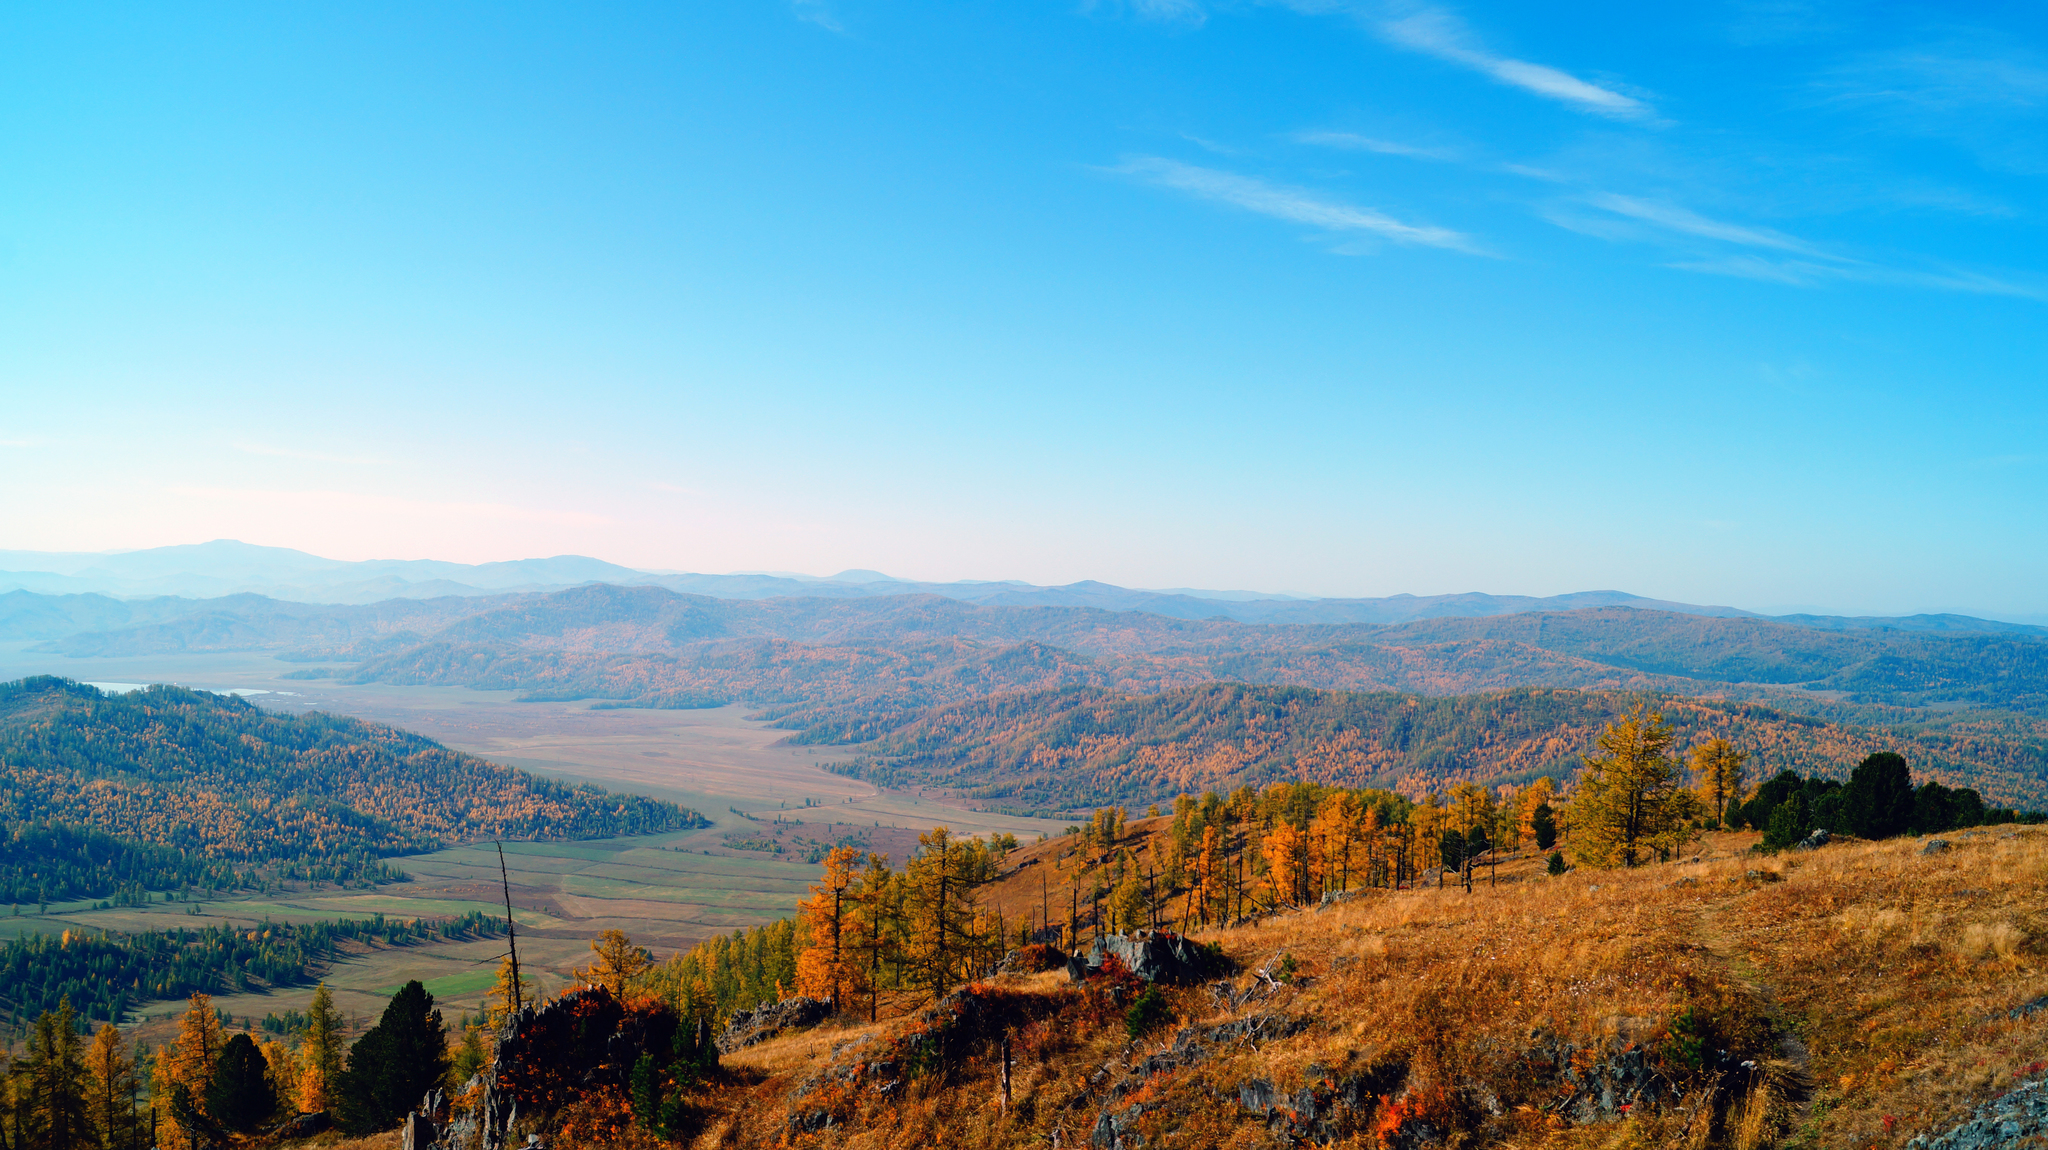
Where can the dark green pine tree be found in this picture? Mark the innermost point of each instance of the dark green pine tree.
(50, 1092)
(394, 1064)
(1543, 821)
(1878, 802)
(240, 1096)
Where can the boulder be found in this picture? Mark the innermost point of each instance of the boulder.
(1152, 955)
(1934, 846)
(1818, 839)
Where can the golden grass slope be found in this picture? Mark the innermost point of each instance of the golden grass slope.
(1870, 982)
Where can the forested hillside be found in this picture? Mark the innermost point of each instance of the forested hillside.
(217, 778)
(867, 664)
(1972, 701)
(1064, 750)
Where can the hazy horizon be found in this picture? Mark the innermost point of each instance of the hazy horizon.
(10, 563)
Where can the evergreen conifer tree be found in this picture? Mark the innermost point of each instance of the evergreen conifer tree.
(240, 1097)
(394, 1064)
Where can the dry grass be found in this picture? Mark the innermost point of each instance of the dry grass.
(1870, 984)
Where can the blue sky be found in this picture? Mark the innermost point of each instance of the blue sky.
(1735, 303)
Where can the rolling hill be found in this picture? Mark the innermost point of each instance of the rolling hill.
(217, 778)
(1060, 751)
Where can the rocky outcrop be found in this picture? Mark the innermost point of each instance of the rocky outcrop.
(748, 1027)
(2019, 1118)
(548, 1056)
(1152, 955)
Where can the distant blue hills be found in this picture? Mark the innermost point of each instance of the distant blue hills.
(116, 587)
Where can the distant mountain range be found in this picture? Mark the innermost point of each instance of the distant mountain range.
(855, 667)
(226, 567)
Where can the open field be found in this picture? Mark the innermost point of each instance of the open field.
(667, 891)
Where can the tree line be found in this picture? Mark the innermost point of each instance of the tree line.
(104, 976)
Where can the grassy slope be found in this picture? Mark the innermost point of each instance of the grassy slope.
(1879, 974)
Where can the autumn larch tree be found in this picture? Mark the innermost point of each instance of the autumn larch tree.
(825, 968)
(110, 1089)
(618, 962)
(1628, 802)
(184, 1070)
(940, 909)
(320, 1052)
(1718, 768)
(499, 998)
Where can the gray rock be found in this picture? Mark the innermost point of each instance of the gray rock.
(1813, 842)
(1256, 1095)
(1152, 955)
(748, 1027)
(2017, 1118)
(1934, 846)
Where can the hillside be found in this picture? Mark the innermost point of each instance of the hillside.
(641, 644)
(218, 778)
(1859, 995)
(867, 663)
(1065, 750)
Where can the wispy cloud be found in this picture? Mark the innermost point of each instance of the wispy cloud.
(1440, 33)
(1976, 91)
(817, 12)
(309, 456)
(1768, 254)
(1688, 222)
(1292, 204)
(1352, 142)
(1209, 145)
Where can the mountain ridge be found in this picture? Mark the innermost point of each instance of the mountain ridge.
(224, 566)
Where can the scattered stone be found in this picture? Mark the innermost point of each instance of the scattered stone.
(1934, 846)
(1813, 842)
(2026, 1008)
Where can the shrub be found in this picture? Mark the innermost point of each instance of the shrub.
(1556, 862)
(1147, 1012)
(1039, 957)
